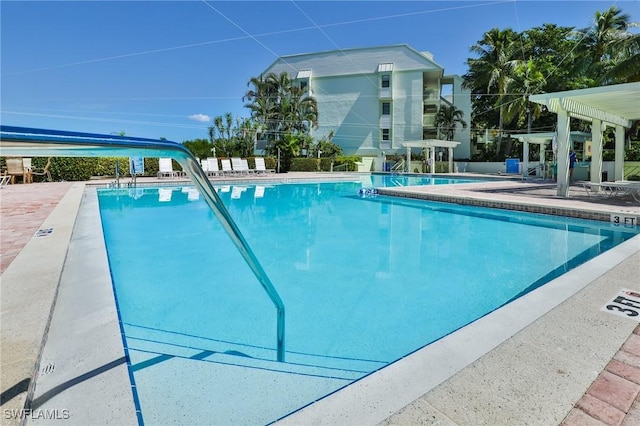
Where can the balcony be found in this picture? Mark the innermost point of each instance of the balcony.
(429, 120)
(430, 95)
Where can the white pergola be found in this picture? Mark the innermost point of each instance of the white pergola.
(431, 144)
(541, 139)
(614, 106)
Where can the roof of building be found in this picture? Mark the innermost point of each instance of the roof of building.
(367, 60)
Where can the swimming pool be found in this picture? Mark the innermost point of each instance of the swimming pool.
(365, 281)
(391, 180)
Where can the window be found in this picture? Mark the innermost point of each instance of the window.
(386, 108)
(385, 81)
(304, 84)
(386, 134)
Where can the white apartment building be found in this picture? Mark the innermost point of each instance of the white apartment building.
(375, 99)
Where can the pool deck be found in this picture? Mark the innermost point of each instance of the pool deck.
(552, 357)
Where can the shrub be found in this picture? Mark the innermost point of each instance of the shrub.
(72, 168)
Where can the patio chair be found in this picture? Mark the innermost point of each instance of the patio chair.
(236, 164)
(214, 169)
(44, 172)
(226, 166)
(244, 166)
(165, 168)
(15, 167)
(260, 167)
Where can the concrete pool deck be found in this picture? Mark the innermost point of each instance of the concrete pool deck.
(575, 355)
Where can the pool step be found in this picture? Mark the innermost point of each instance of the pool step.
(165, 344)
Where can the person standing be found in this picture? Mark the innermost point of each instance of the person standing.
(572, 162)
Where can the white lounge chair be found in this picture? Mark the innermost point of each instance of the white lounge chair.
(205, 167)
(236, 164)
(259, 192)
(610, 189)
(260, 167)
(165, 168)
(213, 166)
(226, 166)
(244, 164)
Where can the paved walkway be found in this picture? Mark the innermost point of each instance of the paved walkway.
(612, 399)
(23, 208)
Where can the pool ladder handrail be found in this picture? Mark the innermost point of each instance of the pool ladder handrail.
(29, 142)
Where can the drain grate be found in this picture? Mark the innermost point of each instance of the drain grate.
(48, 369)
(44, 232)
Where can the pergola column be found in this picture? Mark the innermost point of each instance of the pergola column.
(432, 157)
(563, 153)
(408, 165)
(525, 158)
(596, 151)
(618, 171)
(450, 160)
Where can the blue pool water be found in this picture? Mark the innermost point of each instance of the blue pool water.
(386, 180)
(365, 281)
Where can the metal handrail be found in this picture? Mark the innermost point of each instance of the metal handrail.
(399, 165)
(19, 141)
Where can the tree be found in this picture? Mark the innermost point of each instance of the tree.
(526, 80)
(246, 131)
(200, 148)
(491, 71)
(281, 107)
(447, 118)
(287, 148)
(597, 51)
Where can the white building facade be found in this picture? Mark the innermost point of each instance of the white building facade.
(374, 99)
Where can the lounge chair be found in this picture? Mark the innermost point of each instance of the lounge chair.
(611, 189)
(260, 167)
(44, 172)
(205, 167)
(245, 166)
(213, 166)
(259, 192)
(236, 164)
(226, 166)
(165, 168)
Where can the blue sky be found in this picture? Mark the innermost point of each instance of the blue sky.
(166, 68)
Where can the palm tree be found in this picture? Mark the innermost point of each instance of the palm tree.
(447, 118)
(626, 68)
(526, 80)
(492, 71)
(281, 107)
(597, 51)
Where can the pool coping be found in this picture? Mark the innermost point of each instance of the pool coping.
(393, 398)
